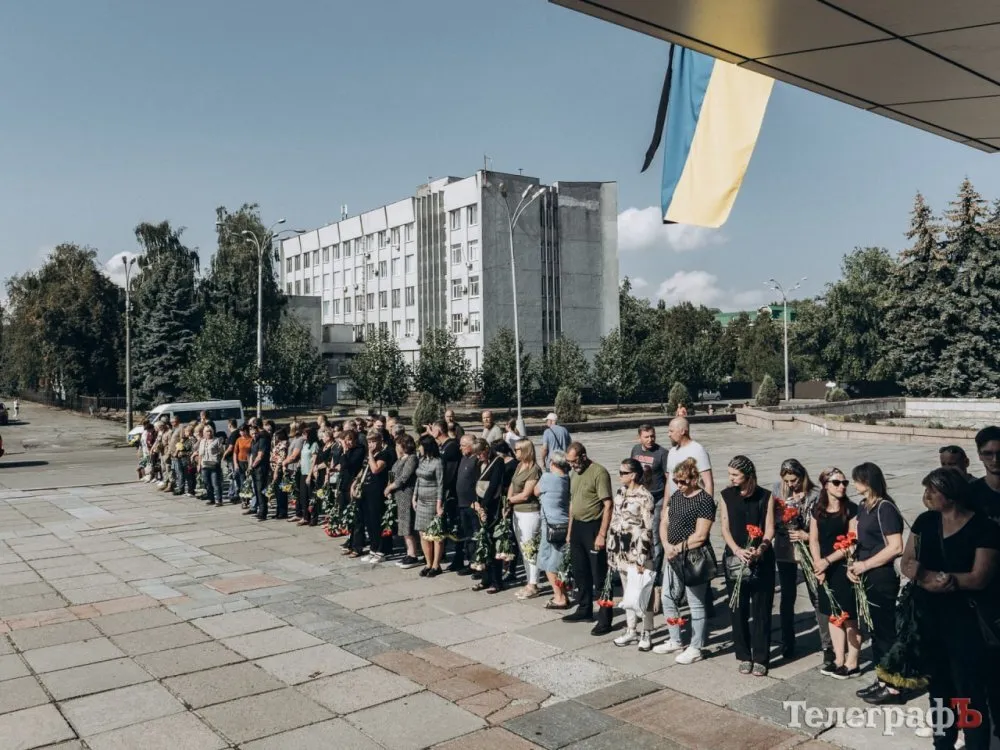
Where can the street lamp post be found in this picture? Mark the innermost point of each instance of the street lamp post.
(128, 263)
(527, 198)
(256, 241)
(776, 287)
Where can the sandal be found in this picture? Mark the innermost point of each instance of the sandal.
(528, 592)
(551, 604)
(745, 667)
(493, 590)
(759, 670)
(480, 587)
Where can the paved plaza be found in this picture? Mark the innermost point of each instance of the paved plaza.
(130, 618)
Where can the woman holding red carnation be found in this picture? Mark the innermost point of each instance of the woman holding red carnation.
(747, 520)
(832, 516)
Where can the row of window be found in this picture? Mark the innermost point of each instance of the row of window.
(471, 217)
(470, 254)
(459, 324)
(397, 265)
(360, 245)
(459, 289)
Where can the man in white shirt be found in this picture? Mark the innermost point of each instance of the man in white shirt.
(683, 448)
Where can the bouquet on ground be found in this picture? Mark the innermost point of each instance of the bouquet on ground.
(289, 487)
(334, 521)
(389, 519)
(848, 543)
(605, 600)
(246, 491)
(481, 557)
(319, 500)
(754, 536)
(503, 537)
(436, 531)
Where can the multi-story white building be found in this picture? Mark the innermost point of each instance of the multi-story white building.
(441, 259)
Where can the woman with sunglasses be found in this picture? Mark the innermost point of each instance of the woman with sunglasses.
(796, 490)
(630, 546)
(832, 516)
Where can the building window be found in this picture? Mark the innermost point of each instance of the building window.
(326, 254)
(326, 282)
(456, 289)
(383, 268)
(411, 296)
(371, 330)
(336, 252)
(472, 215)
(347, 305)
(305, 260)
(456, 218)
(394, 237)
(369, 243)
(395, 329)
(383, 300)
(473, 286)
(474, 322)
(359, 333)
(456, 253)
(336, 307)
(381, 239)
(371, 270)
(288, 288)
(456, 323)
(298, 262)
(288, 265)
(383, 327)
(305, 286)
(395, 266)
(326, 309)
(411, 325)
(315, 258)
(473, 250)
(408, 232)
(409, 264)
(395, 298)
(298, 287)
(370, 299)
(359, 303)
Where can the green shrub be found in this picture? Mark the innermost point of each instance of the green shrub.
(427, 410)
(678, 396)
(837, 394)
(568, 407)
(767, 394)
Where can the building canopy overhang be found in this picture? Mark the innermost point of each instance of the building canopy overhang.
(932, 64)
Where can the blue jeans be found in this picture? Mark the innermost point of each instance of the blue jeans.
(696, 603)
(177, 468)
(212, 476)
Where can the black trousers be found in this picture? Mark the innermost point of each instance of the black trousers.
(302, 503)
(882, 587)
(590, 566)
(465, 551)
(751, 618)
(958, 670)
(493, 574)
(259, 477)
(371, 507)
(788, 580)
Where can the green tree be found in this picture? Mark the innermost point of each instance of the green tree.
(637, 319)
(379, 374)
(808, 340)
(918, 292)
(166, 313)
(443, 369)
(498, 373)
(567, 405)
(223, 361)
(427, 410)
(616, 371)
(563, 365)
(294, 371)
(761, 350)
(679, 396)
(767, 394)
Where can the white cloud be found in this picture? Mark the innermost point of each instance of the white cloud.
(114, 269)
(702, 288)
(641, 229)
(638, 283)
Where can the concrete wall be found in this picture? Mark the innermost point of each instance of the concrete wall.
(980, 410)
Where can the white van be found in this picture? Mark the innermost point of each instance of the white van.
(220, 412)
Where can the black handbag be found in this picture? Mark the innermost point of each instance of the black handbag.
(554, 534)
(698, 565)
(734, 565)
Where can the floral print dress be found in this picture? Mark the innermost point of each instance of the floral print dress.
(630, 534)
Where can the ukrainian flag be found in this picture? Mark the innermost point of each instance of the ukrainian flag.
(712, 112)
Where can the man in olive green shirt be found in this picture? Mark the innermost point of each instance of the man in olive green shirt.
(589, 518)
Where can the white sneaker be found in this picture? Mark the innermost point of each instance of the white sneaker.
(668, 647)
(688, 656)
(627, 638)
(645, 641)
(375, 559)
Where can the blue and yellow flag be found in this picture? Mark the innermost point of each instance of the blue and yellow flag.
(712, 112)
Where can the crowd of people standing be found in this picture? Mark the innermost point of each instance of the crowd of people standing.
(555, 514)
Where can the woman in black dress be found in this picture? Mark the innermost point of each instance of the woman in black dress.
(832, 515)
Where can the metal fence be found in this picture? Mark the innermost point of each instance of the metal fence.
(92, 405)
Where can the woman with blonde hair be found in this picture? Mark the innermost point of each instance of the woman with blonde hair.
(527, 518)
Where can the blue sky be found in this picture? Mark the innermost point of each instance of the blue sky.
(119, 111)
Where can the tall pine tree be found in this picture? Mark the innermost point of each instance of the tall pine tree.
(167, 315)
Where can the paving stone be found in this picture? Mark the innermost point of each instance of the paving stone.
(561, 725)
(187, 659)
(128, 622)
(168, 733)
(410, 667)
(20, 693)
(16, 579)
(244, 583)
(138, 567)
(443, 658)
(430, 719)
(367, 648)
(400, 614)
(104, 712)
(93, 678)
(494, 738)
(489, 678)
(310, 663)
(514, 616)
(159, 639)
(714, 680)
(629, 737)
(358, 689)
(28, 604)
(5, 645)
(238, 623)
(257, 716)
(505, 650)
(66, 655)
(10, 590)
(338, 731)
(618, 693)
(270, 642)
(455, 688)
(125, 604)
(371, 596)
(33, 727)
(94, 594)
(221, 684)
(12, 666)
(484, 703)
(54, 635)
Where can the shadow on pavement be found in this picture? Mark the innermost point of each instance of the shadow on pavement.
(21, 464)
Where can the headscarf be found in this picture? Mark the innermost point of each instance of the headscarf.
(744, 466)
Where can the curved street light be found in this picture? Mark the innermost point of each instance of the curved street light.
(256, 241)
(129, 262)
(779, 289)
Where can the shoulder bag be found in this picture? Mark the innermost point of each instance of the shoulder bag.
(358, 483)
(698, 565)
(483, 485)
(555, 534)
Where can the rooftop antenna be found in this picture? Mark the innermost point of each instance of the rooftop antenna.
(343, 211)
(520, 171)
